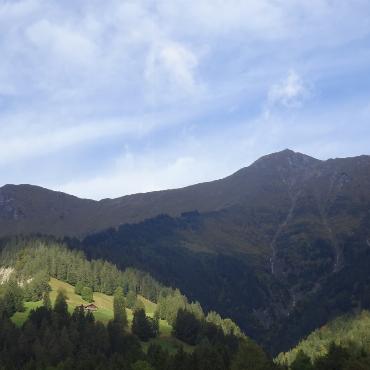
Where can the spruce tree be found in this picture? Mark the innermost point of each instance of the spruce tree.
(186, 327)
(12, 298)
(119, 309)
(46, 300)
(301, 362)
(131, 299)
(141, 326)
(250, 357)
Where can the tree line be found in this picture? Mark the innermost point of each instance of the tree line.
(39, 259)
(52, 338)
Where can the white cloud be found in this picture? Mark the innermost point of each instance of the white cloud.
(170, 69)
(290, 92)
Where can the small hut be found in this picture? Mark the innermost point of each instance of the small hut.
(90, 307)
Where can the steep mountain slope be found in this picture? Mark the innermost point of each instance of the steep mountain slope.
(263, 245)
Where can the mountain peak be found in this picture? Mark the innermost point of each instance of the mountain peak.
(286, 158)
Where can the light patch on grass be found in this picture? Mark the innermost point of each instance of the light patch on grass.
(150, 307)
(20, 317)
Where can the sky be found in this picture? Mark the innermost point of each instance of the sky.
(106, 98)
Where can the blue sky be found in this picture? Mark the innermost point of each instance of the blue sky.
(106, 98)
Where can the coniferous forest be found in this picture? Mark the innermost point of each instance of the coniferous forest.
(54, 338)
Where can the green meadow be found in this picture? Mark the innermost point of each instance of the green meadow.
(104, 313)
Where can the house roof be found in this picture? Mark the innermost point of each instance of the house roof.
(90, 305)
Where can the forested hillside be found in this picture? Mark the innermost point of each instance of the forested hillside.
(237, 285)
(214, 279)
(53, 337)
(343, 342)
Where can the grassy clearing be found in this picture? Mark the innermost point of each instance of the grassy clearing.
(20, 317)
(105, 313)
(102, 301)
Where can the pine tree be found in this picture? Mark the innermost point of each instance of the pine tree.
(157, 356)
(301, 362)
(131, 299)
(186, 327)
(12, 300)
(250, 357)
(119, 309)
(155, 323)
(46, 300)
(141, 326)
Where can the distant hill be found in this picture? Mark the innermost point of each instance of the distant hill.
(350, 331)
(263, 245)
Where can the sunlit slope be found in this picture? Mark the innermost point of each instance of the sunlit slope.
(349, 331)
(104, 312)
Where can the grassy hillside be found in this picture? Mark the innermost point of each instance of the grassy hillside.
(104, 313)
(349, 331)
(20, 317)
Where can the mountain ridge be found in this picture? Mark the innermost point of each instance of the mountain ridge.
(286, 153)
(112, 212)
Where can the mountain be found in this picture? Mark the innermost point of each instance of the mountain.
(281, 246)
(24, 206)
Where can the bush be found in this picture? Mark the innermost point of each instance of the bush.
(78, 288)
(87, 294)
